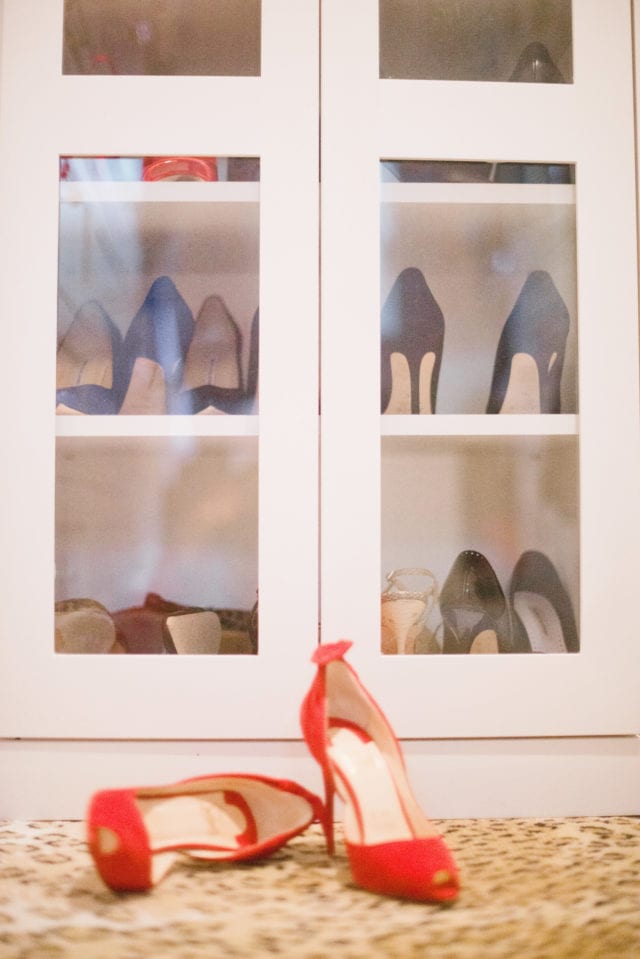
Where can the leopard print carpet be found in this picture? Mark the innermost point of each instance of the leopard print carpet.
(548, 889)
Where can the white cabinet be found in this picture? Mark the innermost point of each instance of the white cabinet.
(378, 141)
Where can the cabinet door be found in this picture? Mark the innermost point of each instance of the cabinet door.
(480, 434)
(159, 187)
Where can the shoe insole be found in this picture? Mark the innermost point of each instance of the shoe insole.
(541, 622)
(485, 642)
(427, 364)
(84, 356)
(146, 393)
(398, 617)
(195, 633)
(523, 389)
(463, 624)
(194, 820)
(400, 399)
(373, 811)
(212, 359)
(61, 409)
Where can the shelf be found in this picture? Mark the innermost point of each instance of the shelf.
(104, 191)
(491, 193)
(204, 425)
(477, 425)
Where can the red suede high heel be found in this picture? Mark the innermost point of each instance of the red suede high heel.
(135, 835)
(393, 849)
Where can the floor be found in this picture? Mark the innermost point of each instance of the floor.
(547, 889)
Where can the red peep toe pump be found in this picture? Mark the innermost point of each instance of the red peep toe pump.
(393, 849)
(135, 835)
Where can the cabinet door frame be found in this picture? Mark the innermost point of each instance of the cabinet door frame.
(589, 123)
(46, 115)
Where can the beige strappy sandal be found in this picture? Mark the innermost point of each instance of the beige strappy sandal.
(404, 611)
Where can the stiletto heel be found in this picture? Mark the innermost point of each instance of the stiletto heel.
(327, 823)
(404, 611)
(411, 346)
(393, 849)
(475, 615)
(135, 835)
(530, 354)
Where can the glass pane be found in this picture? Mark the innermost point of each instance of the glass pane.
(526, 41)
(156, 535)
(478, 274)
(480, 545)
(156, 37)
(478, 316)
(158, 286)
(156, 545)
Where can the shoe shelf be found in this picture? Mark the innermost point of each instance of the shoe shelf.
(160, 192)
(461, 424)
(155, 425)
(491, 193)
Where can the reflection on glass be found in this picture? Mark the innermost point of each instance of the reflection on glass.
(156, 545)
(155, 37)
(479, 311)
(527, 41)
(158, 286)
(480, 540)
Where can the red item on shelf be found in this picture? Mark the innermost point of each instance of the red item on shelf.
(179, 168)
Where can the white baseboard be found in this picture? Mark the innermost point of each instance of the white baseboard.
(46, 779)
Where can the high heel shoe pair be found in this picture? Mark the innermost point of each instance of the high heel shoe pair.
(477, 617)
(166, 362)
(135, 835)
(529, 359)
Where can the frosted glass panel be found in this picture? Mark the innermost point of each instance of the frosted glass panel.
(478, 288)
(156, 403)
(158, 285)
(479, 391)
(154, 37)
(501, 40)
(480, 545)
(153, 536)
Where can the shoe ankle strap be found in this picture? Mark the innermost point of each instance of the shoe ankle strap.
(397, 589)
